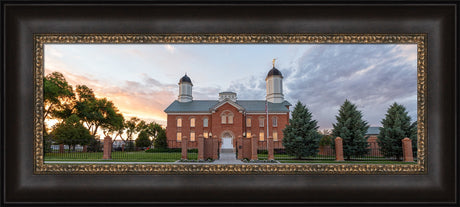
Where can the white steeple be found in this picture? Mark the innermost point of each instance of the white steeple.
(274, 82)
(185, 89)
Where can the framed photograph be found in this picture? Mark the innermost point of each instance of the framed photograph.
(190, 102)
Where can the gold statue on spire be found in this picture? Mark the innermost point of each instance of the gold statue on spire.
(274, 62)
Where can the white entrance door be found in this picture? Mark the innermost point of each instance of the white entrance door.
(227, 143)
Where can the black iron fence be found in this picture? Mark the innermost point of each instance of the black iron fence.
(328, 153)
(120, 152)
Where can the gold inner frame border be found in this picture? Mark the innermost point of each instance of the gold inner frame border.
(239, 169)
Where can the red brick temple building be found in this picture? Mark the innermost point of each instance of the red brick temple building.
(228, 117)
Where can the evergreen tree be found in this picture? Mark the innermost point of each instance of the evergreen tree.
(301, 136)
(352, 129)
(143, 140)
(396, 126)
(413, 137)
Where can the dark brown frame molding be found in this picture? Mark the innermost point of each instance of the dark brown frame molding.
(23, 20)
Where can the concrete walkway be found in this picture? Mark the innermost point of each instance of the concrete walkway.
(227, 156)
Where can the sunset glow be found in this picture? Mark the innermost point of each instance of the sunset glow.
(141, 80)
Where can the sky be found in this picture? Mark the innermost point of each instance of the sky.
(142, 79)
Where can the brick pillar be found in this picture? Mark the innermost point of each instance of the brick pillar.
(407, 150)
(271, 151)
(61, 148)
(107, 148)
(239, 145)
(184, 147)
(338, 149)
(200, 147)
(254, 143)
(85, 148)
(215, 148)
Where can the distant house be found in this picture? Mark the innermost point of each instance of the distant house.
(372, 139)
(228, 118)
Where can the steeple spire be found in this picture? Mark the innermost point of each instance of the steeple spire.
(274, 62)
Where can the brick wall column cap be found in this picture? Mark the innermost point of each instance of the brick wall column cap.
(407, 150)
(338, 149)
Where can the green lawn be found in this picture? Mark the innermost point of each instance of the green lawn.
(138, 156)
(290, 157)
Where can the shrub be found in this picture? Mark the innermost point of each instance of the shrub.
(154, 150)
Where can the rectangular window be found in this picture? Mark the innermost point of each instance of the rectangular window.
(248, 122)
(261, 136)
(205, 134)
(230, 119)
(275, 136)
(179, 122)
(192, 136)
(179, 136)
(205, 122)
(261, 122)
(248, 134)
(224, 119)
(275, 121)
(192, 122)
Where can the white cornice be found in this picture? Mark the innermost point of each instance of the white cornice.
(188, 113)
(240, 108)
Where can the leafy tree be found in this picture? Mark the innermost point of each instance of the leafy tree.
(396, 126)
(152, 129)
(47, 141)
(326, 140)
(160, 140)
(301, 136)
(56, 93)
(94, 145)
(71, 132)
(97, 113)
(143, 140)
(352, 129)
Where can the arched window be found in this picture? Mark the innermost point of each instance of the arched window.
(248, 134)
(261, 121)
(230, 118)
(275, 136)
(205, 122)
(275, 121)
(248, 122)
(179, 122)
(179, 136)
(192, 122)
(205, 134)
(223, 119)
(227, 117)
(192, 136)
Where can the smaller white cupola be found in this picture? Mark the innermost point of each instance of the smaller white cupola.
(274, 82)
(185, 89)
(227, 96)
